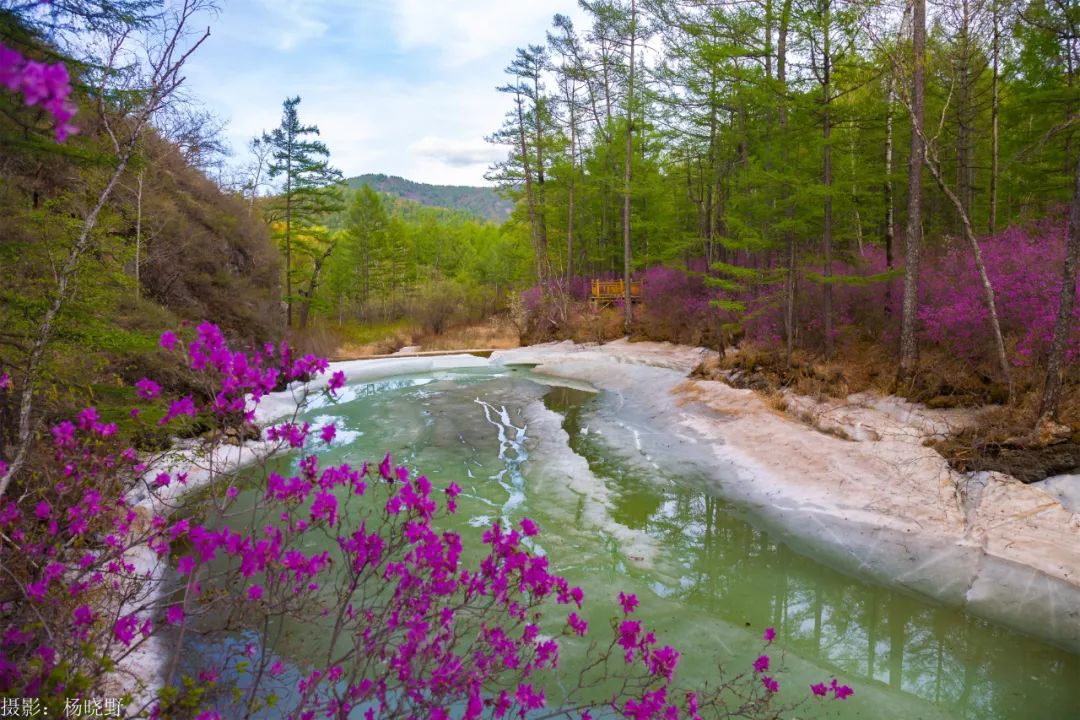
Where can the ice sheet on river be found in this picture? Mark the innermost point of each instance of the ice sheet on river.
(888, 508)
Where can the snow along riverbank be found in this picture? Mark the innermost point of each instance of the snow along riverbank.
(881, 505)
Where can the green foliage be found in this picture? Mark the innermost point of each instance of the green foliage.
(484, 202)
(392, 252)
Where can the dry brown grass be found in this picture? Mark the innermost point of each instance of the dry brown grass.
(496, 333)
(386, 346)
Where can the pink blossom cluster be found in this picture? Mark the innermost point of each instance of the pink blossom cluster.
(1023, 263)
(41, 84)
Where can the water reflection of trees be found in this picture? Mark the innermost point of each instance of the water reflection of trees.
(736, 572)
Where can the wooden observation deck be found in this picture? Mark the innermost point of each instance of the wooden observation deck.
(606, 292)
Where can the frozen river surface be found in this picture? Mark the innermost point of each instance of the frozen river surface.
(618, 513)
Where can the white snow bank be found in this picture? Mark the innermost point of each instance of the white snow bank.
(1066, 488)
(275, 406)
(888, 508)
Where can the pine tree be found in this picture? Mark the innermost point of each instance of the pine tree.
(309, 181)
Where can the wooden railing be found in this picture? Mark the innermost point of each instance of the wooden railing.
(605, 292)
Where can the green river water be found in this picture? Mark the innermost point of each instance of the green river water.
(708, 578)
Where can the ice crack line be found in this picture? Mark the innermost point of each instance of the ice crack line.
(510, 477)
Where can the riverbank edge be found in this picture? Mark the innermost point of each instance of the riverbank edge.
(877, 503)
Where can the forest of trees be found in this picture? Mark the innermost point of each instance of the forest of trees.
(807, 174)
(789, 151)
(364, 250)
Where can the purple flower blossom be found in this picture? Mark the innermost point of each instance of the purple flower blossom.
(529, 527)
(628, 602)
(83, 615)
(328, 433)
(184, 406)
(125, 628)
(840, 692)
(5, 381)
(147, 389)
(40, 84)
(337, 381)
(761, 664)
(168, 340)
(819, 689)
(770, 684)
(174, 615)
(770, 634)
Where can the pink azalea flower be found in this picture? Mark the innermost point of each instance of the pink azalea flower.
(337, 381)
(147, 389)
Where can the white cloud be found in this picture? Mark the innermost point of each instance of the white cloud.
(289, 23)
(383, 79)
(464, 31)
(457, 153)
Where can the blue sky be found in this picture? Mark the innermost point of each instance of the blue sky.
(404, 87)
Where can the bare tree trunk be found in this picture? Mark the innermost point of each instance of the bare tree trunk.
(963, 112)
(826, 62)
(890, 211)
(288, 236)
(313, 285)
(138, 233)
(782, 122)
(994, 109)
(934, 165)
(855, 199)
(540, 197)
(1055, 362)
(913, 235)
(570, 194)
(628, 310)
(530, 197)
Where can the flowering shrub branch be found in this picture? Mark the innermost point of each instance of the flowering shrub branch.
(40, 84)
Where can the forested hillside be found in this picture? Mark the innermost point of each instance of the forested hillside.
(482, 201)
(107, 238)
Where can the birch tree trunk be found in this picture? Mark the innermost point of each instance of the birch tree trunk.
(913, 234)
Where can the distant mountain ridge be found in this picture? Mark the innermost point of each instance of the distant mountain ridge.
(482, 201)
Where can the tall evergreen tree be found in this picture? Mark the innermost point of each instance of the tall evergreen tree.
(309, 181)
